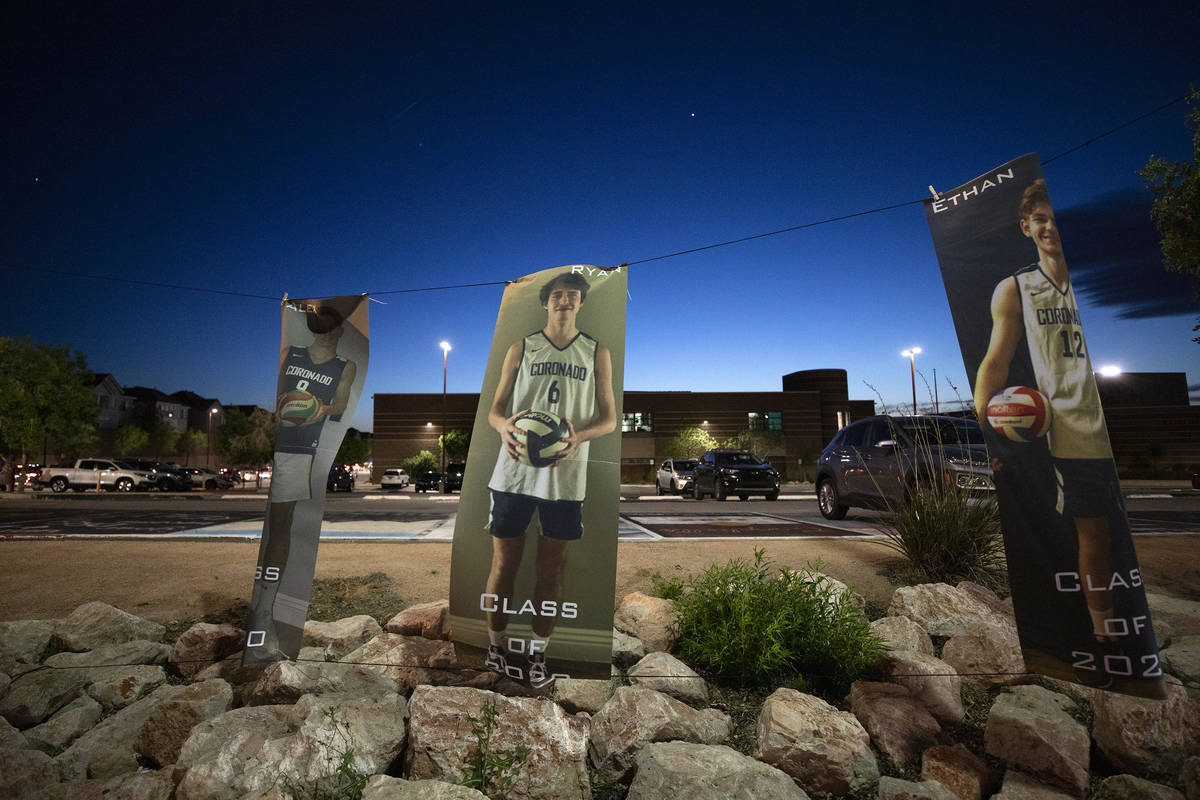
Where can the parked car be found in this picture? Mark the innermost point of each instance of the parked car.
(340, 479)
(428, 482)
(675, 476)
(96, 473)
(28, 475)
(393, 479)
(168, 477)
(205, 478)
(875, 462)
(722, 473)
(454, 476)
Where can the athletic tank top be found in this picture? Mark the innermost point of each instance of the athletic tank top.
(1062, 366)
(562, 382)
(320, 380)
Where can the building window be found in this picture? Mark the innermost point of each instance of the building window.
(766, 420)
(637, 422)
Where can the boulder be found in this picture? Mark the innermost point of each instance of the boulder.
(945, 610)
(24, 642)
(204, 644)
(97, 624)
(1029, 728)
(899, 726)
(22, 772)
(414, 660)
(10, 737)
(138, 651)
(581, 694)
(1019, 786)
(901, 633)
(35, 695)
(1191, 777)
(933, 683)
(635, 717)
(988, 656)
(627, 649)
(171, 722)
(651, 619)
(823, 749)
(431, 620)
(706, 772)
(341, 636)
(663, 672)
(235, 754)
(381, 787)
(1148, 737)
(285, 682)
(1182, 659)
(116, 687)
(896, 789)
(68, 724)
(1131, 787)
(958, 769)
(441, 740)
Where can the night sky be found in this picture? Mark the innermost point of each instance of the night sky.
(252, 149)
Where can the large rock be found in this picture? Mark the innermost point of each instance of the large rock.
(1148, 737)
(933, 683)
(135, 652)
(959, 770)
(172, 721)
(823, 749)
(247, 751)
(582, 694)
(285, 682)
(24, 642)
(897, 789)
(989, 656)
(627, 649)
(945, 610)
(116, 687)
(663, 672)
(901, 633)
(441, 740)
(341, 636)
(72, 721)
(97, 624)
(34, 696)
(899, 726)
(1029, 729)
(1191, 777)
(1019, 786)
(706, 772)
(635, 717)
(431, 620)
(1131, 787)
(22, 772)
(203, 644)
(411, 661)
(651, 619)
(382, 787)
(1182, 659)
(10, 737)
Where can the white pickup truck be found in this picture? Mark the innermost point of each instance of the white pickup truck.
(96, 473)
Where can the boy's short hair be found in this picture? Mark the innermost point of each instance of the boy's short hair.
(569, 280)
(1034, 193)
(324, 319)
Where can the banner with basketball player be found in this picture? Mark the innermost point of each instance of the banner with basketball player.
(533, 566)
(1077, 590)
(322, 365)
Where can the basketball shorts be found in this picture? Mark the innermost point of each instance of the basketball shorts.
(291, 477)
(1088, 487)
(511, 514)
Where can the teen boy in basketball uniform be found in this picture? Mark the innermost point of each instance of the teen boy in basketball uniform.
(318, 370)
(1039, 303)
(562, 370)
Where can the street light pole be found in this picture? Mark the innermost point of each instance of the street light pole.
(208, 446)
(445, 353)
(912, 364)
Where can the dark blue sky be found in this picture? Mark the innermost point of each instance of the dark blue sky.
(318, 150)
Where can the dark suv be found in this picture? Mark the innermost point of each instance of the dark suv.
(875, 462)
(725, 472)
(454, 476)
(340, 479)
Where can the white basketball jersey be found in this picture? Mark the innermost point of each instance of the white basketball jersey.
(1062, 366)
(562, 382)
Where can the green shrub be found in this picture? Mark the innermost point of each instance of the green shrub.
(667, 588)
(746, 625)
(947, 537)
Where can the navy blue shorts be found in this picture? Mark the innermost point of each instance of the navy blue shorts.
(511, 514)
(1090, 487)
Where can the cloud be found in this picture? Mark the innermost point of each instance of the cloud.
(1115, 257)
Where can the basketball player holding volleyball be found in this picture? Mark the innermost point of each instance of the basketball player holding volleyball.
(562, 370)
(1038, 302)
(315, 369)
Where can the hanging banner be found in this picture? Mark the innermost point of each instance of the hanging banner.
(533, 567)
(322, 365)
(1077, 591)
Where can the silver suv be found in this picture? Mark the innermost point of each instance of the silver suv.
(875, 462)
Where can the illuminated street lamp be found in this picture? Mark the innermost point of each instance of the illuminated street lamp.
(912, 365)
(208, 449)
(445, 352)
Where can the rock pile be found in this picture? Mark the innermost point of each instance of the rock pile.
(95, 705)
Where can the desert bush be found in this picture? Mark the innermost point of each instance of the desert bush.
(745, 624)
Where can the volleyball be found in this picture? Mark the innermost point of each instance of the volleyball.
(540, 438)
(1019, 413)
(297, 407)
